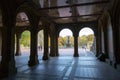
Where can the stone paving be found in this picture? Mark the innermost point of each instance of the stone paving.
(65, 67)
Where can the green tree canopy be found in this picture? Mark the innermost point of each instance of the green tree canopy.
(25, 39)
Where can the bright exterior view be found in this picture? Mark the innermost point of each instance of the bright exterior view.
(65, 41)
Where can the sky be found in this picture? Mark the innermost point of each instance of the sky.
(84, 31)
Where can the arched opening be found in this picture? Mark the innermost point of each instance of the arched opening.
(25, 42)
(22, 23)
(24, 49)
(66, 42)
(86, 41)
(40, 42)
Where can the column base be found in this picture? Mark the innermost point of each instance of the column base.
(45, 58)
(115, 65)
(51, 55)
(18, 54)
(57, 54)
(33, 62)
(76, 55)
(7, 70)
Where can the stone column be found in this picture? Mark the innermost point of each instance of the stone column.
(7, 66)
(97, 44)
(116, 45)
(98, 39)
(56, 45)
(116, 36)
(33, 44)
(106, 42)
(18, 50)
(76, 46)
(45, 55)
(52, 46)
(54, 41)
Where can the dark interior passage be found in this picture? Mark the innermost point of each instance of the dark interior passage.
(94, 61)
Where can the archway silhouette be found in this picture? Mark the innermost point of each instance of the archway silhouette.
(66, 42)
(86, 40)
(21, 20)
(25, 42)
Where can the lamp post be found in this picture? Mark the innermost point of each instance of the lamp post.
(68, 41)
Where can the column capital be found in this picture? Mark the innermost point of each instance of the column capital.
(75, 35)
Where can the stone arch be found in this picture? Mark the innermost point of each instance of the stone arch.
(29, 6)
(87, 45)
(60, 29)
(30, 9)
(115, 16)
(22, 19)
(25, 9)
(108, 35)
(88, 26)
(66, 29)
(27, 41)
(18, 16)
(68, 45)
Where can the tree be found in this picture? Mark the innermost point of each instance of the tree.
(90, 37)
(72, 41)
(25, 39)
(83, 40)
(86, 40)
(61, 41)
(90, 40)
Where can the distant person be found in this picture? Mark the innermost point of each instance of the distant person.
(41, 48)
(38, 47)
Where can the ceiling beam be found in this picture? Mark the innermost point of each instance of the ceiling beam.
(76, 16)
(75, 5)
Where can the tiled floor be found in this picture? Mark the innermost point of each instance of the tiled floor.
(85, 67)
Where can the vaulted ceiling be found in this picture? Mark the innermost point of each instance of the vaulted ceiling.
(70, 11)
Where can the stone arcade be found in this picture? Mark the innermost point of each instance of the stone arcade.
(102, 16)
